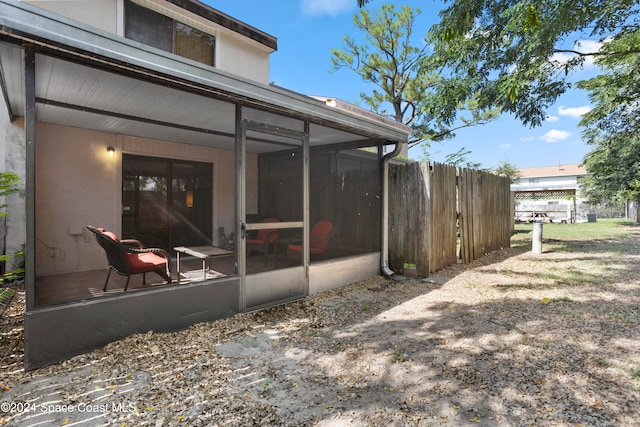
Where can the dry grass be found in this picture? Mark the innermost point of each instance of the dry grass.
(513, 339)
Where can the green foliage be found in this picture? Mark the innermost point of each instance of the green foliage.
(461, 159)
(519, 53)
(6, 293)
(635, 372)
(508, 170)
(612, 127)
(9, 183)
(399, 356)
(411, 83)
(603, 228)
(11, 275)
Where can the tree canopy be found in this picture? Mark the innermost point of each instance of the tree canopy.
(522, 51)
(411, 84)
(518, 54)
(613, 125)
(509, 170)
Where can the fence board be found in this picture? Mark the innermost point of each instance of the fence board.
(442, 216)
(409, 217)
(425, 202)
(485, 213)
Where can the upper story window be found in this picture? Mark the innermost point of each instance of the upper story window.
(534, 181)
(154, 29)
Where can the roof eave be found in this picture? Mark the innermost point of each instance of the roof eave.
(227, 21)
(28, 24)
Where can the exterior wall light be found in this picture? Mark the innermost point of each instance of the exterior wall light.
(111, 151)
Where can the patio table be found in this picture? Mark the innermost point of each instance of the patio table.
(205, 253)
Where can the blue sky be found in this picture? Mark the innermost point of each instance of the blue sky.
(307, 30)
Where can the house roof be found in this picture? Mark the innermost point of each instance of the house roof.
(227, 21)
(551, 171)
(93, 79)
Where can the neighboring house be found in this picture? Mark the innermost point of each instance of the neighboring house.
(550, 192)
(154, 119)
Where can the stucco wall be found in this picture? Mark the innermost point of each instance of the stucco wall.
(78, 184)
(12, 149)
(242, 59)
(101, 14)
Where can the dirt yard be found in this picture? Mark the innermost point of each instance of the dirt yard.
(513, 339)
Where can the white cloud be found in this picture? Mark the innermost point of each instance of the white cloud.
(527, 139)
(326, 7)
(561, 58)
(589, 46)
(555, 135)
(505, 146)
(574, 112)
(552, 119)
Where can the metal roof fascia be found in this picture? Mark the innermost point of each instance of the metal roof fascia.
(29, 23)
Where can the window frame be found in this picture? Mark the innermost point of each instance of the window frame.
(130, 10)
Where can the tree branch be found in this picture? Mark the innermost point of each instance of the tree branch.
(575, 52)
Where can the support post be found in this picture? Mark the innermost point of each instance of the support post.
(536, 243)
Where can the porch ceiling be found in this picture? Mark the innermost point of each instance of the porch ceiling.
(72, 94)
(94, 89)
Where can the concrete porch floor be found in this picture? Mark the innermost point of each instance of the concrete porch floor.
(84, 285)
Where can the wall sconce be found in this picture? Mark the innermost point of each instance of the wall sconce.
(111, 151)
(189, 199)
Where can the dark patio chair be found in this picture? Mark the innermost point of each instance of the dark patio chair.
(263, 240)
(128, 257)
(320, 237)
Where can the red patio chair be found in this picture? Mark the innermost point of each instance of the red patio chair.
(263, 240)
(320, 237)
(128, 257)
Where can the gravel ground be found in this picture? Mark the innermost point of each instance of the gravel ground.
(512, 339)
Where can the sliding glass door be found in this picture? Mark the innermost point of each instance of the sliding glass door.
(166, 203)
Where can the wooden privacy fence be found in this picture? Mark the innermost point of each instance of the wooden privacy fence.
(439, 214)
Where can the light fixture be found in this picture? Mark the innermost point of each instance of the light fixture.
(189, 199)
(111, 151)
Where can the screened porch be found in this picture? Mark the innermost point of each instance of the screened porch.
(176, 154)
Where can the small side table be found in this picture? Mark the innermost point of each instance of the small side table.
(205, 253)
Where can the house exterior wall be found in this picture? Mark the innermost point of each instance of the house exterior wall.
(238, 57)
(12, 149)
(75, 186)
(78, 184)
(327, 275)
(559, 209)
(101, 14)
(547, 182)
(234, 53)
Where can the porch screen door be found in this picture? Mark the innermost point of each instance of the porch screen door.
(274, 207)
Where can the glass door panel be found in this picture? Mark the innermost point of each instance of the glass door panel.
(191, 204)
(145, 215)
(166, 203)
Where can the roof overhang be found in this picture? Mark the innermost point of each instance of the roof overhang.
(227, 21)
(544, 193)
(92, 79)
